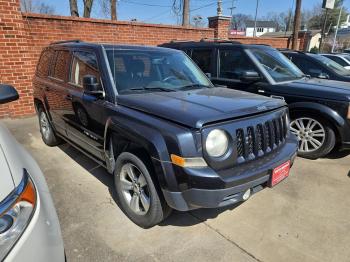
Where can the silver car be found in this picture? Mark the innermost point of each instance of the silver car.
(29, 226)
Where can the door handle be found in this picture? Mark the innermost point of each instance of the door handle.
(69, 97)
(261, 91)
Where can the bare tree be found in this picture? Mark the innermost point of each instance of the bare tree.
(186, 13)
(87, 7)
(73, 8)
(109, 8)
(29, 6)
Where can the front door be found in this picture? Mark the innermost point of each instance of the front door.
(231, 65)
(86, 119)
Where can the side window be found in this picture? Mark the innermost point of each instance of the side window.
(338, 60)
(306, 66)
(233, 63)
(62, 62)
(44, 63)
(203, 58)
(84, 63)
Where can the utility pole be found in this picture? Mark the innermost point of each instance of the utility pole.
(296, 25)
(186, 13)
(256, 17)
(336, 30)
(323, 32)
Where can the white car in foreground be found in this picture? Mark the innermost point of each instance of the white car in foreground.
(29, 226)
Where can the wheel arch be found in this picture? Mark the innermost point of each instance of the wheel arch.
(143, 141)
(322, 111)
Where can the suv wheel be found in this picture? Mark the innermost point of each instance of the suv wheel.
(48, 135)
(316, 138)
(137, 194)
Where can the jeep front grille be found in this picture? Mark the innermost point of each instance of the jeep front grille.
(257, 140)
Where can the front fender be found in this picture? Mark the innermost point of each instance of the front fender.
(324, 111)
(147, 137)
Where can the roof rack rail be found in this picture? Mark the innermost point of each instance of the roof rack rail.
(66, 41)
(219, 40)
(180, 41)
(291, 50)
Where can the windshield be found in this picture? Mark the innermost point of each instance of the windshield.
(135, 71)
(347, 57)
(331, 65)
(277, 65)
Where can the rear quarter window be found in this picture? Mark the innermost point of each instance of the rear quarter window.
(44, 63)
(60, 69)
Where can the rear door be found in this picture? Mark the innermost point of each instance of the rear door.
(85, 118)
(55, 90)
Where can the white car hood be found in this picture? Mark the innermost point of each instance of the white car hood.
(6, 181)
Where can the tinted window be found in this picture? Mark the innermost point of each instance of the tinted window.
(233, 63)
(44, 64)
(337, 60)
(331, 65)
(84, 63)
(202, 57)
(61, 65)
(306, 65)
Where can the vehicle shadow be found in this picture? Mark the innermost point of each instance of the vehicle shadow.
(177, 218)
(338, 154)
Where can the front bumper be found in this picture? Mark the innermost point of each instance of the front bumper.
(233, 183)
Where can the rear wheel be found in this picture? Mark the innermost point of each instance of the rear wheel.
(47, 133)
(137, 193)
(315, 136)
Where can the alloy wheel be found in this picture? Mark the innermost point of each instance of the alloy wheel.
(44, 125)
(135, 189)
(311, 133)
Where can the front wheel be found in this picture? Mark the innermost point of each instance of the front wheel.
(137, 193)
(315, 136)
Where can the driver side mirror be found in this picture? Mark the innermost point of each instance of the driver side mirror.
(8, 94)
(250, 76)
(91, 86)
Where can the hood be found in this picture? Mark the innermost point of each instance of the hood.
(6, 181)
(313, 87)
(197, 107)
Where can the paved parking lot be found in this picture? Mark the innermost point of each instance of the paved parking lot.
(306, 218)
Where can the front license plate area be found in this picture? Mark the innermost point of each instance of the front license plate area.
(279, 173)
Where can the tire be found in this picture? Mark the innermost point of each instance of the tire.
(137, 193)
(47, 133)
(309, 129)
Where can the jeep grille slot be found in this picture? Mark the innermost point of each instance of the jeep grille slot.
(260, 136)
(240, 146)
(260, 139)
(250, 133)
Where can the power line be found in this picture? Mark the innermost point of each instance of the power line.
(144, 4)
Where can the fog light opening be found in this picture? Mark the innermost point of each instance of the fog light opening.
(246, 194)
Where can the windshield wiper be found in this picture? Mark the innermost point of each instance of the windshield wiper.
(194, 86)
(149, 88)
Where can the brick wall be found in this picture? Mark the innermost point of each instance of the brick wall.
(16, 59)
(22, 37)
(274, 42)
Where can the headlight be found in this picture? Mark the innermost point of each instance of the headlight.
(217, 143)
(15, 214)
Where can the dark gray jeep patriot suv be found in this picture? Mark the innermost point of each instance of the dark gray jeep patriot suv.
(154, 120)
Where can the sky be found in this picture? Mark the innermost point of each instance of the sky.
(160, 11)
